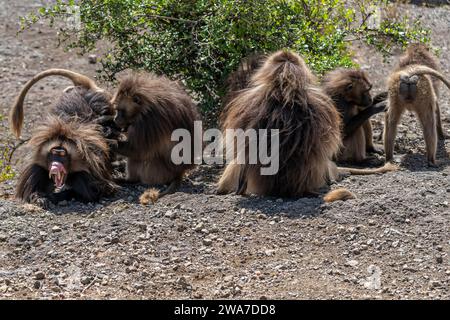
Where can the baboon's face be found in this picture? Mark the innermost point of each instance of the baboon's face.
(127, 109)
(58, 165)
(358, 92)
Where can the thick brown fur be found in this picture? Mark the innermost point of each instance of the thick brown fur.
(150, 108)
(350, 91)
(421, 99)
(282, 95)
(71, 124)
(339, 194)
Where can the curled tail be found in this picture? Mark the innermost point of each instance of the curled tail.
(152, 195)
(424, 70)
(388, 167)
(16, 113)
(338, 194)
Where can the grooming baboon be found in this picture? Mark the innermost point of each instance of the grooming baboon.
(149, 108)
(282, 95)
(411, 88)
(70, 155)
(240, 79)
(350, 91)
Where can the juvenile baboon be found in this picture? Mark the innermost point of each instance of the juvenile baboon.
(350, 91)
(420, 54)
(70, 155)
(411, 88)
(282, 95)
(149, 108)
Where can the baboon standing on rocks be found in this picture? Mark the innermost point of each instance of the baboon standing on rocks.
(413, 86)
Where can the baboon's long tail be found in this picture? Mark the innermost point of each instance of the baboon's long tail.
(424, 70)
(16, 113)
(152, 195)
(388, 167)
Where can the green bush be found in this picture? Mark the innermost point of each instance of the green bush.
(202, 41)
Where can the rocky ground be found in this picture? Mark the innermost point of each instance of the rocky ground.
(390, 243)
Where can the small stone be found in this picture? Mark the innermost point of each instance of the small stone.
(170, 214)
(434, 284)
(197, 295)
(63, 203)
(139, 286)
(56, 229)
(181, 227)
(113, 240)
(39, 275)
(439, 258)
(85, 280)
(199, 227)
(37, 285)
(352, 263)
(279, 200)
(3, 237)
(92, 59)
(207, 242)
(371, 222)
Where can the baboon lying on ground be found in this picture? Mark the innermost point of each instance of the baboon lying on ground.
(70, 154)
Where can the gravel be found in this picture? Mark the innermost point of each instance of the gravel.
(392, 242)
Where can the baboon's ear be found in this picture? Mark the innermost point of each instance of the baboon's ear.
(137, 99)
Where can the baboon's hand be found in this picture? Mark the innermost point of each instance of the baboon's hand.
(40, 201)
(104, 119)
(379, 107)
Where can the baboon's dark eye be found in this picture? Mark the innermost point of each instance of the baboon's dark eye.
(137, 99)
(349, 87)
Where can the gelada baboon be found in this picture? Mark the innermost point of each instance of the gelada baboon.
(413, 87)
(420, 54)
(282, 95)
(70, 155)
(350, 91)
(149, 108)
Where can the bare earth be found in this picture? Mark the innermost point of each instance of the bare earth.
(391, 243)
